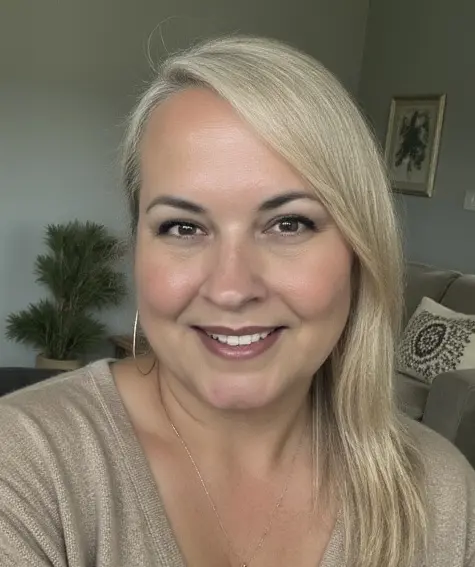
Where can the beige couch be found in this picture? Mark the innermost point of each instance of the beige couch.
(448, 405)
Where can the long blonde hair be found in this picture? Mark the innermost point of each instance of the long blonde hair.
(303, 112)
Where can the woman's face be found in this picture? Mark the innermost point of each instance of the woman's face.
(243, 279)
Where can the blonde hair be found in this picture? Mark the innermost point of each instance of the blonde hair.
(303, 112)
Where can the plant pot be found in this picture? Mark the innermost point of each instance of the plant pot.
(52, 364)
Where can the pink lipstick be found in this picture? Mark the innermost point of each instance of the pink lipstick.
(238, 344)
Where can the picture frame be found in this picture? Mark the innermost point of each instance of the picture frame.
(413, 141)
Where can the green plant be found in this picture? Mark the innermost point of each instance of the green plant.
(78, 270)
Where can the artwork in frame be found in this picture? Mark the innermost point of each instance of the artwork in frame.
(412, 142)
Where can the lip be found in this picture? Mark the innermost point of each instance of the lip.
(243, 352)
(218, 330)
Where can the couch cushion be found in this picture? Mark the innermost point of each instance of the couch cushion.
(13, 378)
(436, 340)
(425, 281)
(411, 395)
(460, 295)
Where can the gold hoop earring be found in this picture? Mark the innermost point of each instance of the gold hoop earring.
(134, 347)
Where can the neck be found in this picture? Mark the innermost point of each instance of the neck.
(256, 441)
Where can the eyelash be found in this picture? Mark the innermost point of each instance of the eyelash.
(164, 228)
(306, 222)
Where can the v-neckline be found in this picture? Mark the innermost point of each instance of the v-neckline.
(146, 489)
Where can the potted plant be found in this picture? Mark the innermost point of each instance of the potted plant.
(78, 270)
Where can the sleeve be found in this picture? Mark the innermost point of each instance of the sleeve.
(30, 525)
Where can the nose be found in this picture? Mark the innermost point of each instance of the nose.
(234, 276)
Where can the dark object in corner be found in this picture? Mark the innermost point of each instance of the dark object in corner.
(15, 377)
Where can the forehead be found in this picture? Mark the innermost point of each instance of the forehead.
(195, 141)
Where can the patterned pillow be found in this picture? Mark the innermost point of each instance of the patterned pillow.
(436, 340)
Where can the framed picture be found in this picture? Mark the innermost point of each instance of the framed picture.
(412, 142)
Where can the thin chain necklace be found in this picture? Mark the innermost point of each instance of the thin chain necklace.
(213, 505)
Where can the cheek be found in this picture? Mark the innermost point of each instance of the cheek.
(321, 285)
(164, 286)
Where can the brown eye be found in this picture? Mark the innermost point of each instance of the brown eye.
(289, 225)
(179, 229)
(292, 225)
(184, 230)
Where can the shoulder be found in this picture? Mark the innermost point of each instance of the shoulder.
(57, 449)
(443, 462)
(450, 489)
(62, 388)
(55, 434)
(54, 410)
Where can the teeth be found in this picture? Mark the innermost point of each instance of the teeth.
(233, 340)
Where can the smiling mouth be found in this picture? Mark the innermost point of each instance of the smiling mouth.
(239, 344)
(238, 337)
(241, 340)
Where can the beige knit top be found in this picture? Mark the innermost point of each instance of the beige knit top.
(76, 489)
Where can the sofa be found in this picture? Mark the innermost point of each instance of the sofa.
(14, 377)
(448, 404)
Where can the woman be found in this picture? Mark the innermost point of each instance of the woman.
(261, 430)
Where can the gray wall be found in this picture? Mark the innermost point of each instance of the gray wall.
(421, 47)
(69, 72)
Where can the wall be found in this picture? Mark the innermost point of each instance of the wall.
(428, 46)
(69, 72)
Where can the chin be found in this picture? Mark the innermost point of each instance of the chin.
(238, 393)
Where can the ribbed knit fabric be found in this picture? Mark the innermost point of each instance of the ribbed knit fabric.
(76, 489)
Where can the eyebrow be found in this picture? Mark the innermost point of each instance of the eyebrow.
(177, 203)
(268, 205)
(284, 198)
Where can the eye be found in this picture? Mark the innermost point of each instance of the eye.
(179, 229)
(291, 225)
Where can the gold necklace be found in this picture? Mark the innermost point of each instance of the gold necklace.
(213, 505)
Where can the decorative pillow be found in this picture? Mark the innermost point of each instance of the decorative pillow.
(436, 340)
